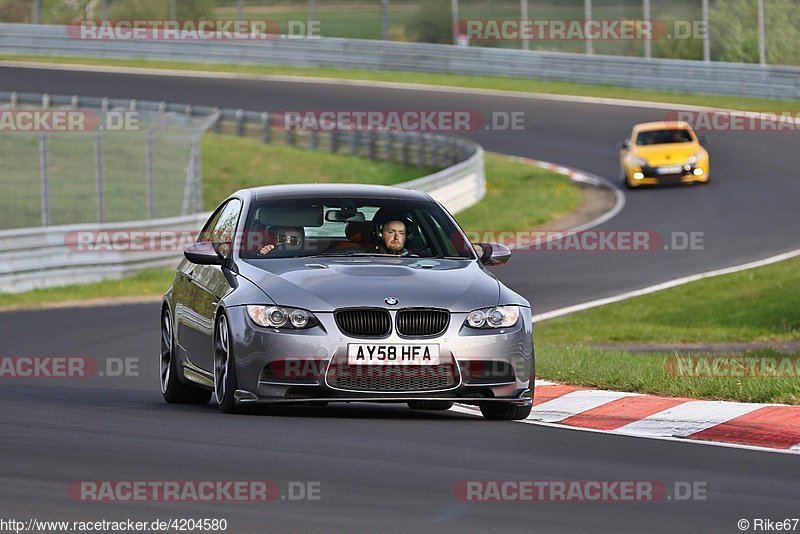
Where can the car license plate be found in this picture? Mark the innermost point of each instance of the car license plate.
(367, 354)
(674, 169)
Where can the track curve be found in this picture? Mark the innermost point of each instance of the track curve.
(383, 467)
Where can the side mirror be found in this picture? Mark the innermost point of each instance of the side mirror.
(206, 253)
(703, 140)
(624, 145)
(492, 253)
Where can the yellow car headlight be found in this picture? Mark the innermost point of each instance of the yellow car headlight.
(694, 158)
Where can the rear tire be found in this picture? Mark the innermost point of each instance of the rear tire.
(505, 412)
(430, 405)
(173, 390)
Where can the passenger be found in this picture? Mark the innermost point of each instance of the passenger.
(288, 237)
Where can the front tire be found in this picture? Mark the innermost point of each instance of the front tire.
(505, 412)
(225, 383)
(173, 390)
(430, 405)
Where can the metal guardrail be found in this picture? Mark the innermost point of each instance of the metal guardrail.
(50, 256)
(665, 74)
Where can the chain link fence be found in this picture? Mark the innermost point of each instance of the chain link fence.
(65, 160)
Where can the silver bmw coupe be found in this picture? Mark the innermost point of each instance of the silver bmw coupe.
(313, 294)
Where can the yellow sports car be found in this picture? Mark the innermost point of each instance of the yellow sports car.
(661, 153)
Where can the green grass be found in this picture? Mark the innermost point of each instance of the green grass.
(519, 197)
(753, 305)
(149, 283)
(230, 163)
(756, 305)
(647, 373)
(451, 80)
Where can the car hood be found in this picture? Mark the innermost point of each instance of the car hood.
(322, 285)
(667, 154)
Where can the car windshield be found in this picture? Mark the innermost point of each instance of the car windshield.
(660, 137)
(318, 227)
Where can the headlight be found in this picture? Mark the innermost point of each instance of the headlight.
(499, 317)
(281, 317)
(694, 158)
(641, 162)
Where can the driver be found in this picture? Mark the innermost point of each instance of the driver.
(393, 235)
(288, 237)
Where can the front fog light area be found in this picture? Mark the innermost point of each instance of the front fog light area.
(281, 317)
(499, 317)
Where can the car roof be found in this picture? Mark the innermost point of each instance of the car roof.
(291, 191)
(661, 125)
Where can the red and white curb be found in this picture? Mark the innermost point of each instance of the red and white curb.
(773, 427)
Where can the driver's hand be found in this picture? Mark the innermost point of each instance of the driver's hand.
(266, 249)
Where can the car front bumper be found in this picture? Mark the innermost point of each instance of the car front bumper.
(488, 365)
(655, 175)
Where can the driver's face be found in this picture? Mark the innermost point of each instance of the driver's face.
(289, 238)
(394, 235)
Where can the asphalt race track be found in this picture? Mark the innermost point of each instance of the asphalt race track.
(387, 468)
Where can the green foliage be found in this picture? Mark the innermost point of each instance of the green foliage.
(15, 11)
(734, 31)
(677, 48)
(159, 9)
(431, 23)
